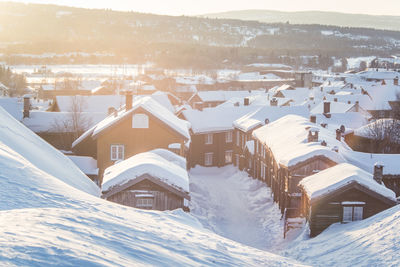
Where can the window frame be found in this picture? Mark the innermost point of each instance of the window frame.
(208, 139)
(208, 158)
(148, 205)
(140, 123)
(351, 211)
(228, 137)
(229, 153)
(120, 149)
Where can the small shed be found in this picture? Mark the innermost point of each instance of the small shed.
(342, 193)
(154, 180)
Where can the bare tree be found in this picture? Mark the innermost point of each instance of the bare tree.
(385, 135)
(78, 119)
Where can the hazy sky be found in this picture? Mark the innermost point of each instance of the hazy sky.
(194, 7)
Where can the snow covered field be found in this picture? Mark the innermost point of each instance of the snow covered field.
(236, 206)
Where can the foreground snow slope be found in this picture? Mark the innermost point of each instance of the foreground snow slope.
(37, 151)
(371, 242)
(45, 221)
(236, 206)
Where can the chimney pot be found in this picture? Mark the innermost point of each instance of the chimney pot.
(327, 107)
(128, 101)
(246, 101)
(338, 134)
(378, 172)
(396, 80)
(27, 106)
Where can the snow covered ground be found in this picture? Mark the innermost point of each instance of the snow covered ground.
(371, 242)
(228, 202)
(47, 219)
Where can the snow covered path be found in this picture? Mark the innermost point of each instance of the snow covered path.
(236, 206)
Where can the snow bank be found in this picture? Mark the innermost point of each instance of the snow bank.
(38, 152)
(371, 242)
(44, 221)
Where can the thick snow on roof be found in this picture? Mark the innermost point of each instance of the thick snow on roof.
(380, 74)
(39, 153)
(366, 161)
(336, 177)
(13, 106)
(269, 65)
(287, 138)
(335, 107)
(256, 76)
(171, 157)
(215, 119)
(369, 242)
(272, 113)
(378, 129)
(351, 120)
(42, 121)
(87, 165)
(381, 95)
(151, 106)
(222, 96)
(146, 163)
(95, 103)
(44, 221)
(162, 99)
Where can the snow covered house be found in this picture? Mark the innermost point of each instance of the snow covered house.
(212, 134)
(343, 193)
(155, 180)
(140, 126)
(288, 150)
(380, 136)
(245, 125)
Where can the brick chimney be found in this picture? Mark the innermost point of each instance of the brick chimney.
(27, 106)
(378, 172)
(327, 107)
(313, 119)
(246, 101)
(274, 102)
(338, 134)
(312, 135)
(396, 80)
(357, 106)
(128, 101)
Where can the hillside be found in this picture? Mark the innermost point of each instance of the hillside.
(313, 17)
(50, 34)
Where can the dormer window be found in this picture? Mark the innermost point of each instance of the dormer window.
(140, 121)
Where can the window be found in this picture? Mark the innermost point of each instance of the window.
(238, 138)
(140, 120)
(208, 159)
(228, 156)
(352, 213)
(262, 174)
(209, 139)
(228, 137)
(144, 203)
(243, 141)
(117, 152)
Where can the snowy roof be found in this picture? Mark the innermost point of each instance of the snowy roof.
(378, 75)
(272, 113)
(379, 129)
(215, 119)
(250, 146)
(337, 177)
(13, 106)
(256, 76)
(287, 138)
(151, 106)
(39, 153)
(42, 121)
(222, 96)
(351, 120)
(366, 161)
(335, 107)
(162, 99)
(146, 163)
(381, 95)
(87, 165)
(94, 103)
(269, 65)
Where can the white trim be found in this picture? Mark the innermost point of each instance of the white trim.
(117, 152)
(228, 137)
(228, 156)
(208, 139)
(208, 158)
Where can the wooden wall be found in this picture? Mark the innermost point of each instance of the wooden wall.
(163, 199)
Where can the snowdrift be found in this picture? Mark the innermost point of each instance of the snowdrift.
(371, 242)
(48, 217)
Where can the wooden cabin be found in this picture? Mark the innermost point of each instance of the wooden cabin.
(155, 180)
(141, 126)
(343, 193)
